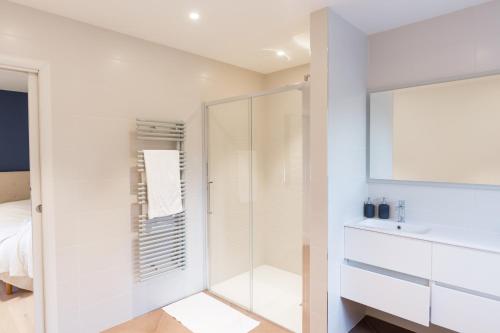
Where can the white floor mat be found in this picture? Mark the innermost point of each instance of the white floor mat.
(202, 313)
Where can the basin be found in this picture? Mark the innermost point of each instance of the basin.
(395, 226)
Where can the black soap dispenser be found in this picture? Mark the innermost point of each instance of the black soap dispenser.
(383, 210)
(369, 209)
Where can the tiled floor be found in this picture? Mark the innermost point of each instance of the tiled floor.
(373, 325)
(160, 322)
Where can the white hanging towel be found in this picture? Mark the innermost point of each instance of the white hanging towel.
(163, 176)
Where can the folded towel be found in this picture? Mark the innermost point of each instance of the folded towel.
(163, 178)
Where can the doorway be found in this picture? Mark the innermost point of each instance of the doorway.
(21, 257)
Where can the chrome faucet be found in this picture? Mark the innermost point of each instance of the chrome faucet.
(401, 211)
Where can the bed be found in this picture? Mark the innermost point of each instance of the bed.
(16, 258)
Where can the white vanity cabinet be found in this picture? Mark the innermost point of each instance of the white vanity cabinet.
(400, 254)
(466, 289)
(466, 268)
(464, 312)
(417, 278)
(388, 273)
(400, 297)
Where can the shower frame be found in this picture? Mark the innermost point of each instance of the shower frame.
(303, 87)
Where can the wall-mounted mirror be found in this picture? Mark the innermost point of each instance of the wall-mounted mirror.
(445, 132)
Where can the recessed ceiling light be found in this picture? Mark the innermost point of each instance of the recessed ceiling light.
(194, 16)
(280, 53)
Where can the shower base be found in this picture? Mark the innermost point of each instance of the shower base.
(277, 295)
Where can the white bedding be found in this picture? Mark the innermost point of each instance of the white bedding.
(16, 258)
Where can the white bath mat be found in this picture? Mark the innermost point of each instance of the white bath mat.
(202, 313)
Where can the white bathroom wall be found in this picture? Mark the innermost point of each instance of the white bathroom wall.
(100, 82)
(316, 214)
(456, 45)
(451, 46)
(347, 74)
(286, 77)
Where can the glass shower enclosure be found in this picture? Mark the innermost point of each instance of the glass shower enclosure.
(255, 175)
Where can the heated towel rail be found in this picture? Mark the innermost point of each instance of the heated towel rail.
(162, 240)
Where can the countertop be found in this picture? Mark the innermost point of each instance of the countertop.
(438, 233)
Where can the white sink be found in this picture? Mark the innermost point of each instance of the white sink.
(395, 226)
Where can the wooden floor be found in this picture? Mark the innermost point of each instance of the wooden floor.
(160, 322)
(17, 311)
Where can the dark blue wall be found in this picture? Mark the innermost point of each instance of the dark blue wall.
(14, 131)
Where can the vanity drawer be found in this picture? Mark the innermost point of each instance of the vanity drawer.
(466, 268)
(401, 254)
(399, 297)
(464, 312)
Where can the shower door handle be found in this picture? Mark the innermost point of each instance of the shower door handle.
(209, 195)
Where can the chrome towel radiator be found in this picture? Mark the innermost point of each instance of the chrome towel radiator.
(162, 240)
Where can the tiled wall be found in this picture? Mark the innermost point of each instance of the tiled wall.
(454, 205)
(278, 180)
(456, 45)
(100, 82)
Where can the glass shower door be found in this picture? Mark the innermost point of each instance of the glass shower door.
(255, 220)
(277, 174)
(229, 204)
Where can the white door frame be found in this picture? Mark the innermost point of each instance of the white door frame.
(41, 178)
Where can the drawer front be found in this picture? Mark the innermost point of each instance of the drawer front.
(401, 298)
(463, 312)
(466, 268)
(405, 255)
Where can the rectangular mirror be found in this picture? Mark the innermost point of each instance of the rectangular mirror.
(444, 132)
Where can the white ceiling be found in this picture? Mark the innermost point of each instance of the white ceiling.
(13, 81)
(242, 32)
